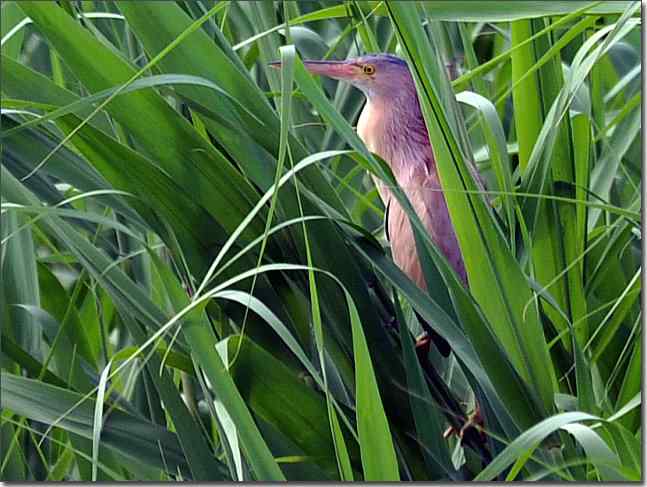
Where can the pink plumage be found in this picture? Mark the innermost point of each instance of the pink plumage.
(392, 126)
(394, 129)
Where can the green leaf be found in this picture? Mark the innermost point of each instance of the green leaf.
(547, 251)
(174, 143)
(597, 451)
(276, 394)
(97, 424)
(376, 446)
(425, 412)
(528, 441)
(12, 40)
(498, 152)
(82, 104)
(34, 368)
(20, 283)
(202, 340)
(123, 433)
(487, 11)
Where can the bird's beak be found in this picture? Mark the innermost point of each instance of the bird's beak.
(332, 69)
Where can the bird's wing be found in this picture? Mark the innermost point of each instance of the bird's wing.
(430, 163)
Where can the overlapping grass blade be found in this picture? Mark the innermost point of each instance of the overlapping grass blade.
(123, 433)
(174, 143)
(496, 281)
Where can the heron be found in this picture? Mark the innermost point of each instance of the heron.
(391, 125)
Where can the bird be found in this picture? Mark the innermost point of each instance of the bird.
(391, 125)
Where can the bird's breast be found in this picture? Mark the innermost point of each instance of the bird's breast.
(399, 136)
(370, 127)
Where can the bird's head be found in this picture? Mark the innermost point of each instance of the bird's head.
(376, 75)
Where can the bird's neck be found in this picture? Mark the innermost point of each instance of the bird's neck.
(391, 124)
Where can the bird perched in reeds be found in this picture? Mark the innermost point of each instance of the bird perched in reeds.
(392, 126)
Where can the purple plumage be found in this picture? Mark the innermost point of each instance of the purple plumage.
(391, 125)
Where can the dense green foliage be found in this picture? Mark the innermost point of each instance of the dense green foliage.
(195, 282)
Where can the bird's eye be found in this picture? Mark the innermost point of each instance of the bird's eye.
(368, 69)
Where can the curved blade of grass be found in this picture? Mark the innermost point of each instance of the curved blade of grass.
(26, 21)
(271, 319)
(41, 210)
(376, 446)
(378, 459)
(604, 172)
(261, 203)
(174, 142)
(97, 424)
(597, 451)
(200, 336)
(486, 11)
(529, 440)
(196, 449)
(496, 140)
(279, 396)
(152, 81)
